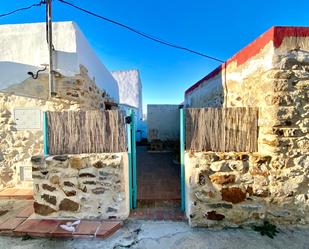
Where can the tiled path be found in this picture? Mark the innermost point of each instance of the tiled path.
(20, 224)
(16, 193)
(158, 178)
(167, 214)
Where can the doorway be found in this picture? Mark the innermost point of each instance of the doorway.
(157, 178)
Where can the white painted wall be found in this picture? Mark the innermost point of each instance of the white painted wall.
(211, 92)
(163, 121)
(130, 89)
(23, 48)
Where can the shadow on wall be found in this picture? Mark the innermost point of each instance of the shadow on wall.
(210, 91)
(32, 81)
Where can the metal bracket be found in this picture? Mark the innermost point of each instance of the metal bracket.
(128, 119)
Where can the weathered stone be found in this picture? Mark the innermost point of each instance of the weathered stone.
(68, 205)
(261, 193)
(68, 184)
(70, 192)
(99, 164)
(87, 175)
(201, 179)
(48, 187)
(37, 159)
(203, 195)
(90, 182)
(60, 158)
(103, 173)
(88, 172)
(220, 205)
(3, 212)
(50, 199)
(76, 163)
(222, 179)
(213, 215)
(42, 209)
(251, 207)
(255, 171)
(234, 195)
(221, 166)
(55, 179)
(99, 190)
(111, 210)
(249, 190)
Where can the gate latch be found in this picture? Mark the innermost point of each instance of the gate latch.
(128, 119)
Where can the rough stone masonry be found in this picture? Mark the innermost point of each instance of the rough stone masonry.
(77, 92)
(88, 186)
(239, 188)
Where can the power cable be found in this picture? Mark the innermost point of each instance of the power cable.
(24, 8)
(150, 37)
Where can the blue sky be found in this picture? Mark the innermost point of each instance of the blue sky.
(217, 28)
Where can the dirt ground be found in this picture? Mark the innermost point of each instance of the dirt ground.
(176, 235)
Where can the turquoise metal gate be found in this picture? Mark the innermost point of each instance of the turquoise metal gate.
(131, 132)
(182, 156)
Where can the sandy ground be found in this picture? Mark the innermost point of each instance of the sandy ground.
(178, 235)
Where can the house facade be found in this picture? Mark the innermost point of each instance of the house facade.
(81, 81)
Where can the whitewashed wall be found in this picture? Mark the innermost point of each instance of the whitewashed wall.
(130, 89)
(163, 122)
(23, 48)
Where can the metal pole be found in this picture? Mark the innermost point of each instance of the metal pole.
(129, 137)
(134, 159)
(45, 134)
(182, 158)
(50, 47)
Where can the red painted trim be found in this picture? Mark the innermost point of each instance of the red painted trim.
(275, 34)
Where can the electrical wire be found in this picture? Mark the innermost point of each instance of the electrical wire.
(24, 8)
(147, 36)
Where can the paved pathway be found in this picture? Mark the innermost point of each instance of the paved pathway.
(170, 235)
(158, 178)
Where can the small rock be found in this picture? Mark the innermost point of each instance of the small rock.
(37, 159)
(220, 205)
(68, 184)
(54, 179)
(68, 205)
(223, 179)
(89, 182)
(42, 209)
(99, 190)
(3, 212)
(261, 193)
(60, 158)
(88, 172)
(99, 164)
(50, 199)
(70, 192)
(111, 210)
(213, 215)
(201, 179)
(234, 195)
(76, 163)
(86, 175)
(48, 187)
(219, 166)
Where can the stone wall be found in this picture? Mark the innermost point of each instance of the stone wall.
(273, 184)
(87, 186)
(17, 146)
(233, 189)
